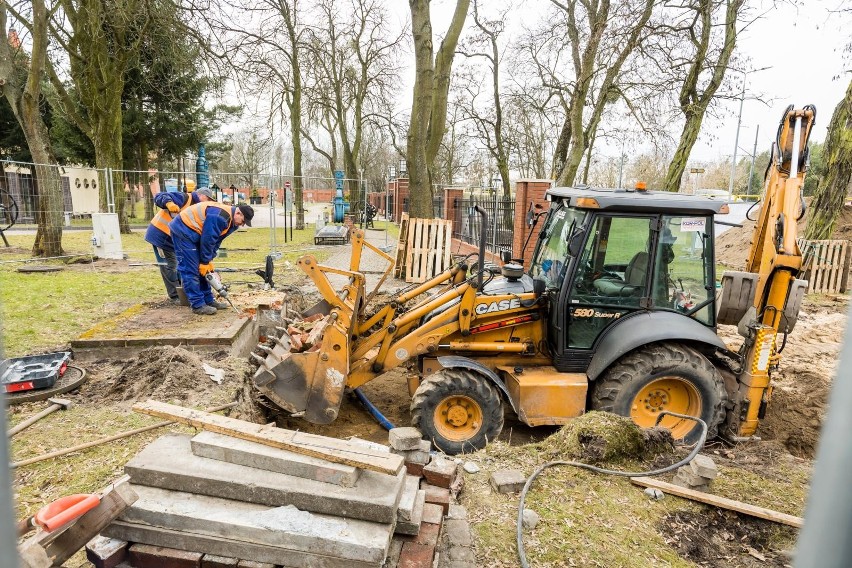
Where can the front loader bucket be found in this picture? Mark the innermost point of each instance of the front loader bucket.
(311, 382)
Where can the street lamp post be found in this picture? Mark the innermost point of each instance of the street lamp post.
(739, 122)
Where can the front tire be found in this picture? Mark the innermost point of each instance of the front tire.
(664, 376)
(457, 410)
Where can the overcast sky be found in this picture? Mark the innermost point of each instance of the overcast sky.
(801, 40)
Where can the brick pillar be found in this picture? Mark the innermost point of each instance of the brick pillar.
(401, 197)
(451, 198)
(528, 191)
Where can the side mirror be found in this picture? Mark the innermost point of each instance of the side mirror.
(575, 241)
(505, 256)
(539, 287)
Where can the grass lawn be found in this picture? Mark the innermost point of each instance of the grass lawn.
(44, 311)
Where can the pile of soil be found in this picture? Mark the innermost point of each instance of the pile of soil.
(601, 436)
(732, 246)
(163, 373)
(716, 537)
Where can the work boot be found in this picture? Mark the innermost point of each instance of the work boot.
(174, 301)
(218, 305)
(204, 310)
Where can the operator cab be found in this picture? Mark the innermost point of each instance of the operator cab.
(605, 255)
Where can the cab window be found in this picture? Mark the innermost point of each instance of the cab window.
(683, 272)
(552, 255)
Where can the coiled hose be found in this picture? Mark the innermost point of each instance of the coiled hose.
(700, 444)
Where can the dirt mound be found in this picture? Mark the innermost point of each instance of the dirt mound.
(162, 373)
(602, 436)
(797, 413)
(732, 246)
(714, 537)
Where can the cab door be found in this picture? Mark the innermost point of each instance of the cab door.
(611, 279)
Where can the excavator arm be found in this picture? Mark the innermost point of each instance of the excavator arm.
(767, 296)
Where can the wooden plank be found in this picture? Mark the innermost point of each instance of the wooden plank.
(401, 243)
(438, 265)
(329, 449)
(412, 243)
(836, 266)
(722, 502)
(424, 250)
(62, 544)
(847, 261)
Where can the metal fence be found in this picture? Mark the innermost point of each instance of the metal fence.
(467, 224)
(65, 198)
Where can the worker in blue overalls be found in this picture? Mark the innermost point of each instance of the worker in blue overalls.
(196, 234)
(158, 234)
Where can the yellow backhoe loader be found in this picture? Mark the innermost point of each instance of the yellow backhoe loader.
(617, 312)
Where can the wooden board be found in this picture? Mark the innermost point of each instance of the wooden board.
(401, 244)
(329, 449)
(62, 544)
(723, 502)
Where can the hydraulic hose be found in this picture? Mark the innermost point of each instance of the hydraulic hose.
(371, 408)
(698, 446)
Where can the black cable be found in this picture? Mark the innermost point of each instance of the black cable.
(698, 446)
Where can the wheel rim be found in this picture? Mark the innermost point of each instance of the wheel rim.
(674, 394)
(458, 418)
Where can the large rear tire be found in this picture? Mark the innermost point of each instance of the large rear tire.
(457, 410)
(664, 376)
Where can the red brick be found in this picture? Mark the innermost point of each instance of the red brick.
(428, 534)
(440, 472)
(146, 556)
(437, 495)
(527, 191)
(414, 469)
(416, 555)
(106, 552)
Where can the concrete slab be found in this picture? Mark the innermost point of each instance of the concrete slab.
(412, 526)
(409, 495)
(405, 438)
(282, 527)
(222, 546)
(150, 324)
(234, 450)
(169, 463)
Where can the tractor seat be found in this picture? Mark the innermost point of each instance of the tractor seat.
(633, 282)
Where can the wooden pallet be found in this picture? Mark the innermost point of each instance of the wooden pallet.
(399, 264)
(428, 248)
(826, 265)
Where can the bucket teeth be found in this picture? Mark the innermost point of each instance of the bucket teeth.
(259, 359)
(265, 349)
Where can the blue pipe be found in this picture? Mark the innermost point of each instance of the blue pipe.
(380, 418)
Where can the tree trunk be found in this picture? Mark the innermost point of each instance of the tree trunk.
(429, 102)
(688, 136)
(23, 97)
(828, 199)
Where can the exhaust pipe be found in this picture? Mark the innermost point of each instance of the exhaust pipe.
(483, 234)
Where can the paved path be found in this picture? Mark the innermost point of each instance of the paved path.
(372, 265)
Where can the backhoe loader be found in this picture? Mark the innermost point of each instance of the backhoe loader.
(617, 312)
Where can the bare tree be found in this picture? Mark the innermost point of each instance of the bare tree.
(268, 51)
(353, 69)
(20, 83)
(486, 115)
(101, 41)
(601, 37)
(429, 100)
(705, 61)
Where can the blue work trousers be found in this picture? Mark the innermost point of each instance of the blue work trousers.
(167, 261)
(196, 288)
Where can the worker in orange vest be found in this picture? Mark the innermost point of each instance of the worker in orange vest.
(196, 234)
(158, 234)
